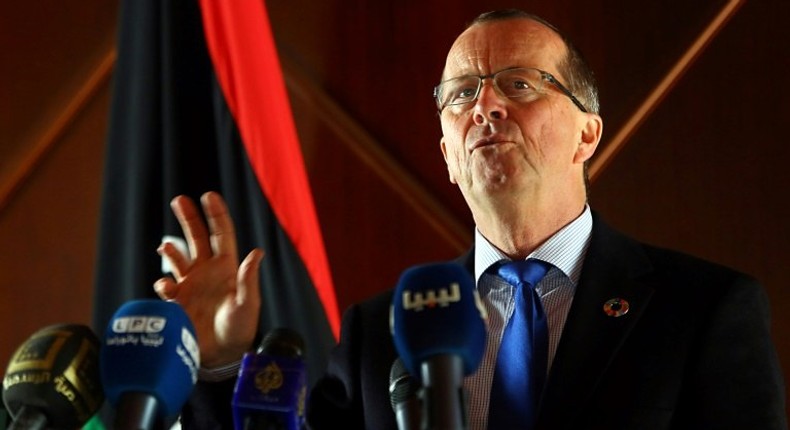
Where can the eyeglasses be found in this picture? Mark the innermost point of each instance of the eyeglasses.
(511, 83)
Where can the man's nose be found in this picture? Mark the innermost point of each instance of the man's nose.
(490, 104)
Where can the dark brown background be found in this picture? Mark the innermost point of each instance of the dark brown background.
(706, 172)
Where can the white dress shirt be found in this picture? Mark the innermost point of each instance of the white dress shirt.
(565, 250)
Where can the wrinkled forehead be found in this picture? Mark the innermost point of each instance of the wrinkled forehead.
(492, 46)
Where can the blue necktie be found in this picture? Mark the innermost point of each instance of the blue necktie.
(522, 359)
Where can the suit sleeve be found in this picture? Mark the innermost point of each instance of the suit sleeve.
(209, 406)
(353, 393)
(334, 400)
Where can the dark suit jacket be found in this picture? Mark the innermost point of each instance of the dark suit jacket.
(694, 350)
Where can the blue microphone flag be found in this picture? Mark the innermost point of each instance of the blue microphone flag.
(436, 311)
(272, 386)
(150, 347)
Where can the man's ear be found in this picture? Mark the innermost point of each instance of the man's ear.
(443, 145)
(590, 137)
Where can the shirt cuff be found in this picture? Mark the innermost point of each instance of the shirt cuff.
(218, 374)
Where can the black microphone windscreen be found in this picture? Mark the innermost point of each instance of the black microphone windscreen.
(403, 386)
(405, 397)
(282, 341)
(55, 373)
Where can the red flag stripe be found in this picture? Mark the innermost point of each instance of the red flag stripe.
(242, 49)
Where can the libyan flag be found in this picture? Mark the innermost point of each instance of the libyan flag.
(199, 103)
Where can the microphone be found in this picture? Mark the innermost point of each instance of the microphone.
(438, 326)
(271, 390)
(52, 380)
(404, 392)
(149, 362)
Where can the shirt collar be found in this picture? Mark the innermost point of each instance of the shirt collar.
(565, 249)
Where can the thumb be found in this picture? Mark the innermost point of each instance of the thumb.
(166, 288)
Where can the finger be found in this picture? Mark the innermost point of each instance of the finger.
(223, 235)
(166, 288)
(193, 226)
(179, 262)
(248, 292)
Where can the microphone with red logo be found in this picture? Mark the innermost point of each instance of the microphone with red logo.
(438, 325)
(52, 380)
(149, 362)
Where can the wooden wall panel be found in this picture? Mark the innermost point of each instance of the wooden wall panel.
(49, 47)
(371, 232)
(49, 234)
(49, 188)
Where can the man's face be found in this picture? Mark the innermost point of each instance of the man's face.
(498, 146)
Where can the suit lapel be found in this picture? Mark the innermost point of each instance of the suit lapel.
(591, 338)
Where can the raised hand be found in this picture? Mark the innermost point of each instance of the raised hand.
(220, 296)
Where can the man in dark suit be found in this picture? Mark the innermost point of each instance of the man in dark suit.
(693, 350)
(639, 337)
